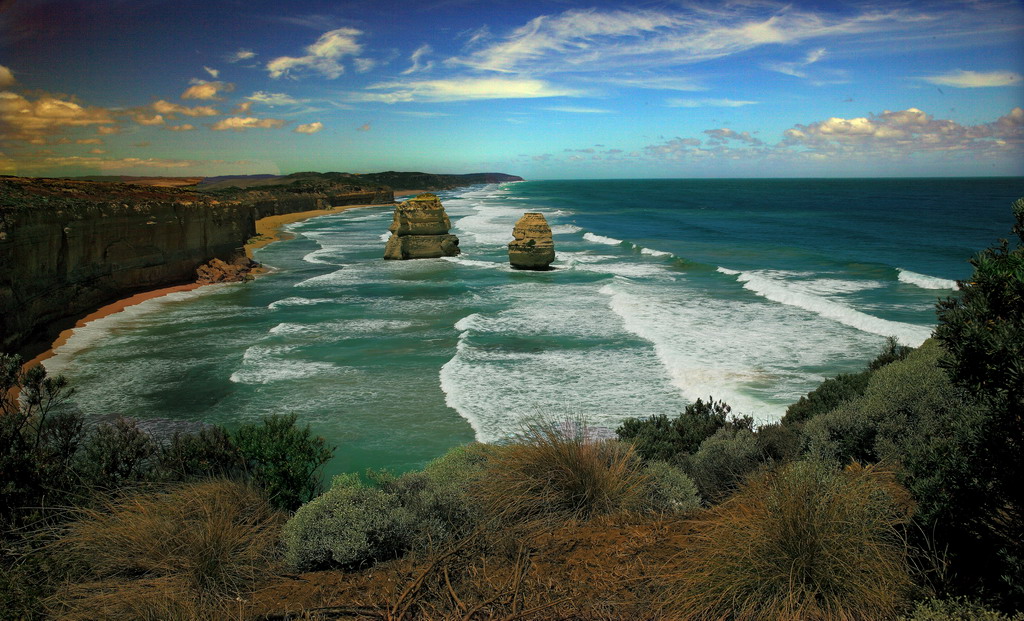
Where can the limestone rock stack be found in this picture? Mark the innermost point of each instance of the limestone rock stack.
(532, 248)
(420, 230)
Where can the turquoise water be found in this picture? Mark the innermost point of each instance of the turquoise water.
(751, 291)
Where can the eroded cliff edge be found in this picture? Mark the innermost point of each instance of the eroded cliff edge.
(68, 247)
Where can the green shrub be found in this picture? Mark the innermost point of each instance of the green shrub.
(661, 438)
(283, 459)
(557, 472)
(349, 526)
(208, 453)
(805, 542)
(778, 442)
(671, 489)
(722, 462)
(438, 496)
(957, 609)
(117, 454)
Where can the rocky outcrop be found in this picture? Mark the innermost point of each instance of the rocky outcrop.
(420, 230)
(214, 271)
(533, 248)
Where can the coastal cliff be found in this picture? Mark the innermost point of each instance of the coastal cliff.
(68, 247)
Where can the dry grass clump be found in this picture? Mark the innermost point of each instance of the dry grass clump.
(185, 552)
(558, 472)
(806, 542)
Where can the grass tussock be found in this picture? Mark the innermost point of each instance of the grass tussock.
(187, 552)
(806, 542)
(558, 472)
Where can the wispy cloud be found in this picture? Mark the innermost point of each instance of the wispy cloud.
(240, 123)
(25, 119)
(214, 73)
(321, 57)
(6, 77)
(975, 79)
(240, 55)
(273, 99)
(165, 107)
(577, 110)
(601, 40)
(796, 69)
(708, 103)
(417, 57)
(201, 89)
(463, 89)
(309, 128)
(184, 127)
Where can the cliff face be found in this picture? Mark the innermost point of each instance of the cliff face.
(68, 247)
(420, 230)
(533, 248)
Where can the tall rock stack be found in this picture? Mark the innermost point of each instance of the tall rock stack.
(420, 230)
(532, 248)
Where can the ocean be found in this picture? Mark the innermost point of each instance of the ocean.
(664, 291)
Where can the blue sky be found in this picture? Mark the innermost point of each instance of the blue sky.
(543, 89)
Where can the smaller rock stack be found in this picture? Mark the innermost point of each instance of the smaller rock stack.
(532, 248)
(420, 230)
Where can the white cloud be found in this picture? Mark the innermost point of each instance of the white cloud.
(463, 89)
(201, 89)
(240, 123)
(184, 127)
(364, 65)
(145, 119)
(309, 128)
(721, 136)
(708, 103)
(22, 118)
(575, 110)
(273, 99)
(6, 77)
(240, 55)
(796, 69)
(165, 107)
(108, 130)
(603, 40)
(322, 56)
(975, 79)
(415, 58)
(214, 73)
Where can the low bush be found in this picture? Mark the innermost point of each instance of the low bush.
(208, 453)
(186, 548)
(283, 459)
(664, 439)
(957, 609)
(805, 542)
(557, 472)
(722, 462)
(349, 526)
(116, 454)
(671, 490)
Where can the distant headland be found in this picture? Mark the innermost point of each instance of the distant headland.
(70, 246)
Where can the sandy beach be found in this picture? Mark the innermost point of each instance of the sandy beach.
(268, 230)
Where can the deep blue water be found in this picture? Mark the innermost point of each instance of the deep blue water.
(751, 291)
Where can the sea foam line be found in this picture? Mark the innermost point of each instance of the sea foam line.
(908, 334)
(601, 239)
(924, 281)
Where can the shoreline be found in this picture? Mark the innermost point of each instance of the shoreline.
(268, 231)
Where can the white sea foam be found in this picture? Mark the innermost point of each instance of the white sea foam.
(655, 253)
(385, 236)
(99, 329)
(536, 357)
(339, 330)
(263, 364)
(474, 263)
(728, 271)
(753, 355)
(924, 281)
(782, 292)
(601, 239)
(629, 270)
(565, 229)
(296, 301)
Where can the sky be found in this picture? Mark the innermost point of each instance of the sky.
(545, 89)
